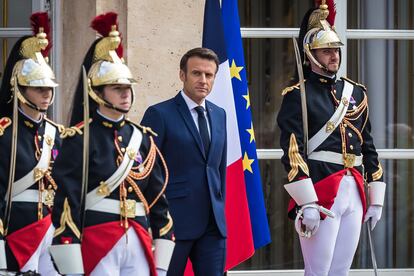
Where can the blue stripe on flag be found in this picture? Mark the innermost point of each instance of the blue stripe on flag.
(235, 54)
(213, 35)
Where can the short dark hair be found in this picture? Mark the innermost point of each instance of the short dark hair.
(200, 52)
(99, 88)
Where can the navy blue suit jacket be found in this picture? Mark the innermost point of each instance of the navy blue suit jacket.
(197, 182)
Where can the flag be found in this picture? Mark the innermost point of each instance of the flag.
(247, 224)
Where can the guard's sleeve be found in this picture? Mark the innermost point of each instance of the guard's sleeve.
(161, 222)
(372, 166)
(5, 151)
(300, 186)
(67, 173)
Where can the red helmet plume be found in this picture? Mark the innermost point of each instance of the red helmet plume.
(332, 10)
(103, 25)
(41, 20)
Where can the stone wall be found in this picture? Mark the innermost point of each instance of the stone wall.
(155, 36)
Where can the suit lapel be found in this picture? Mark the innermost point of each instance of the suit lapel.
(188, 120)
(214, 125)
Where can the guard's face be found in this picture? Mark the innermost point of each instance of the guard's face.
(39, 96)
(120, 95)
(328, 57)
(199, 78)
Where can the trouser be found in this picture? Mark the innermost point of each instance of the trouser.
(207, 254)
(41, 260)
(331, 250)
(127, 257)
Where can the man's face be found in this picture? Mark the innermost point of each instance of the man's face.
(199, 78)
(120, 95)
(328, 57)
(39, 96)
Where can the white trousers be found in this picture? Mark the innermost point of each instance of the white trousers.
(41, 260)
(127, 258)
(331, 250)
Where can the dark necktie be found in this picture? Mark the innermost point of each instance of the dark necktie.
(202, 128)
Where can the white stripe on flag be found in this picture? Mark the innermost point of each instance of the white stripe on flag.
(222, 95)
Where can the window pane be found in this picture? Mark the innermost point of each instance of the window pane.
(380, 14)
(386, 67)
(273, 14)
(6, 45)
(18, 13)
(393, 235)
(270, 65)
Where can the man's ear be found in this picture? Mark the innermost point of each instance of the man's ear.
(182, 75)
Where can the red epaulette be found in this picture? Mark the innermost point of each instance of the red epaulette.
(4, 123)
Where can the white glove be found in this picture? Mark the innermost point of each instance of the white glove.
(161, 272)
(311, 219)
(374, 213)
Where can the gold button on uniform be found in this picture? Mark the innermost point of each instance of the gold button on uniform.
(130, 189)
(351, 147)
(120, 139)
(349, 134)
(123, 150)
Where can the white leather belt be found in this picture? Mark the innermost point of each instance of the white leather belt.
(30, 195)
(113, 206)
(108, 186)
(334, 121)
(336, 158)
(41, 168)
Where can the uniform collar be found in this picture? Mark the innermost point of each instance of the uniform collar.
(321, 79)
(28, 122)
(107, 122)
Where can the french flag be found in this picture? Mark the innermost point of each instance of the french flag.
(247, 224)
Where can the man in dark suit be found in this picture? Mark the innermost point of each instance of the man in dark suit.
(192, 136)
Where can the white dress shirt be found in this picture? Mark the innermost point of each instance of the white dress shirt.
(191, 106)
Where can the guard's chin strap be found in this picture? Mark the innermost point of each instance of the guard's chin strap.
(30, 104)
(309, 55)
(101, 101)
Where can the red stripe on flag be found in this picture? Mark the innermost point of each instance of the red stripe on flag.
(240, 245)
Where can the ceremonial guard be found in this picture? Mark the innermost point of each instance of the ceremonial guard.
(111, 207)
(29, 143)
(326, 172)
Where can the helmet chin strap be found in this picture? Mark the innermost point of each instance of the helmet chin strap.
(30, 104)
(102, 101)
(320, 66)
(312, 58)
(108, 104)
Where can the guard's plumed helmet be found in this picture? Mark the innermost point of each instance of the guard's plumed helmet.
(108, 65)
(104, 65)
(27, 64)
(320, 32)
